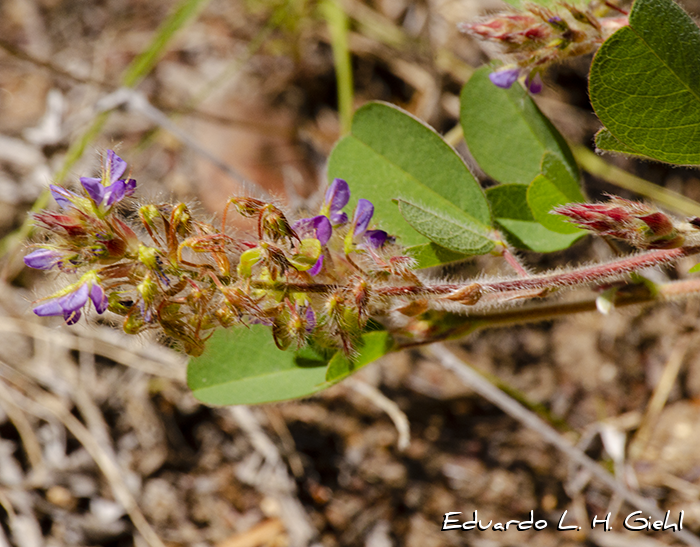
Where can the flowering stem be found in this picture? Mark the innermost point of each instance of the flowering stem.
(579, 276)
(534, 283)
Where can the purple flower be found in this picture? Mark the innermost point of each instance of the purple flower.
(372, 239)
(363, 214)
(47, 259)
(337, 197)
(109, 189)
(310, 318)
(376, 238)
(505, 78)
(534, 83)
(318, 227)
(316, 268)
(64, 198)
(72, 299)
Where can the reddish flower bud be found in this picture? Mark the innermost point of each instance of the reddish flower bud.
(637, 223)
(56, 222)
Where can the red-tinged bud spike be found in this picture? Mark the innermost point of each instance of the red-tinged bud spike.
(637, 223)
(71, 226)
(659, 224)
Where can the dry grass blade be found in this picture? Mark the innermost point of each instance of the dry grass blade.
(514, 409)
(43, 405)
(387, 405)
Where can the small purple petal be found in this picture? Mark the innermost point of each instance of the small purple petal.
(535, 84)
(362, 217)
(310, 317)
(50, 307)
(72, 317)
(337, 196)
(114, 193)
(323, 228)
(43, 259)
(261, 321)
(94, 189)
(62, 196)
(505, 78)
(99, 298)
(115, 166)
(130, 187)
(75, 300)
(338, 218)
(376, 238)
(316, 268)
(318, 227)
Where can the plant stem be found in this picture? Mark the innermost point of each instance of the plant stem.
(579, 276)
(338, 28)
(462, 325)
(544, 282)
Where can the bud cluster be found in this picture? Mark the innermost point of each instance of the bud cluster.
(310, 280)
(639, 224)
(536, 37)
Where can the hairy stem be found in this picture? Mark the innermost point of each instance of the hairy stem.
(461, 325)
(572, 278)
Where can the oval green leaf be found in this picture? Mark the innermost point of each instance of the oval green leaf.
(506, 133)
(645, 83)
(390, 154)
(375, 345)
(513, 215)
(244, 367)
(552, 188)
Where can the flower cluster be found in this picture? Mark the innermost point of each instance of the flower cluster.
(531, 40)
(639, 224)
(310, 280)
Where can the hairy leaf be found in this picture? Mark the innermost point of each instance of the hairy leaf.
(605, 142)
(449, 227)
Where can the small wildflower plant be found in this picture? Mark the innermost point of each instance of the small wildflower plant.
(303, 301)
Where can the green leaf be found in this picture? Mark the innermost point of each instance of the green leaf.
(390, 154)
(506, 133)
(645, 83)
(513, 215)
(694, 269)
(605, 142)
(449, 227)
(375, 345)
(552, 188)
(243, 367)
